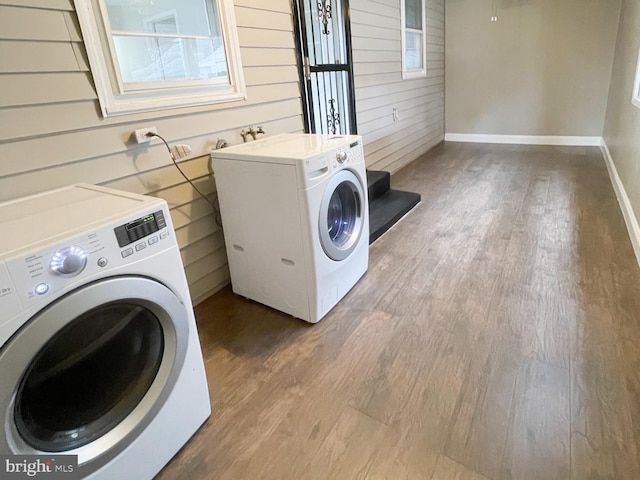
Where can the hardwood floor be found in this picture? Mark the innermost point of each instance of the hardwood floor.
(495, 336)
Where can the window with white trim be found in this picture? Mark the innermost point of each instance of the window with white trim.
(635, 97)
(413, 23)
(150, 55)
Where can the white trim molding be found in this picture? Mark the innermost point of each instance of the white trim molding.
(524, 139)
(118, 97)
(422, 70)
(623, 199)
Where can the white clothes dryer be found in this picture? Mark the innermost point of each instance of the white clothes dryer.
(99, 352)
(296, 219)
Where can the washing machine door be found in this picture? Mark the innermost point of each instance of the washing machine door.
(88, 373)
(342, 215)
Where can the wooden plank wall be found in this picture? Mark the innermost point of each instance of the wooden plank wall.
(52, 133)
(376, 35)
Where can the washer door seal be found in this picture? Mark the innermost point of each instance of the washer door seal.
(341, 219)
(134, 317)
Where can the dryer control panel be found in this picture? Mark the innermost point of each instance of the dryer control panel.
(62, 264)
(9, 301)
(140, 228)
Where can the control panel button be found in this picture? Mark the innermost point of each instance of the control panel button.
(126, 253)
(102, 262)
(153, 240)
(341, 156)
(141, 246)
(160, 219)
(164, 235)
(68, 261)
(41, 289)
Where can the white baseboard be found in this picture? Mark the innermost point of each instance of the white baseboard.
(623, 199)
(524, 139)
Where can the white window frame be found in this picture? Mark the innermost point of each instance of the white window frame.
(115, 100)
(413, 72)
(635, 96)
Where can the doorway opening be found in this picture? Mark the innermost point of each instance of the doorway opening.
(325, 65)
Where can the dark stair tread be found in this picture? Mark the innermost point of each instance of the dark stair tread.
(386, 210)
(378, 183)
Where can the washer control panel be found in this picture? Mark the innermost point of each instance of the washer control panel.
(318, 167)
(348, 155)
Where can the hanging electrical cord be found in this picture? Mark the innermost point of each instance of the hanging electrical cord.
(214, 204)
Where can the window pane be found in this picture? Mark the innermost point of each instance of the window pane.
(413, 14)
(413, 51)
(149, 59)
(186, 17)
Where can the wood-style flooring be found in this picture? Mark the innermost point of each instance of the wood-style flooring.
(495, 336)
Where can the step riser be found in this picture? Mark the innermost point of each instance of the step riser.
(378, 183)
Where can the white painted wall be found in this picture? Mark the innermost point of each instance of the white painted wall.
(542, 69)
(622, 123)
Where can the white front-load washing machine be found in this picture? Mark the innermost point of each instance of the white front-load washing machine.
(295, 219)
(99, 353)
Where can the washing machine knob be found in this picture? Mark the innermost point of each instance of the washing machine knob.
(68, 261)
(341, 156)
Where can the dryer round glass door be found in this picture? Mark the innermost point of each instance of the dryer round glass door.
(342, 215)
(89, 377)
(90, 371)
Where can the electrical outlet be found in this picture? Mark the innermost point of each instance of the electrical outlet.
(141, 134)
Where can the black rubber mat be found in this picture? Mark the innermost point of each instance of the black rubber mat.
(387, 209)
